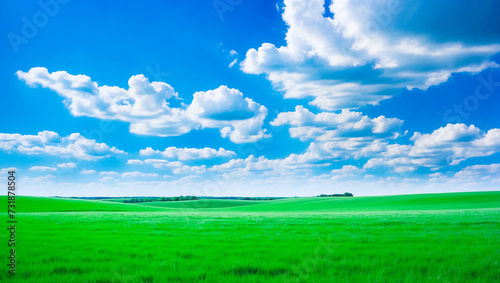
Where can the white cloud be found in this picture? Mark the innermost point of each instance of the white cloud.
(346, 172)
(478, 172)
(233, 52)
(367, 52)
(47, 178)
(138, 174)
(345, 148)
(399, 164)
(67, 165)
(106, 179)
(176, 167)
(6, 170)
(356, 137)
(42, 168)
(146, 106)
(344, 135)
(43, 178)
(293, 164)
(455, 143)
(233, 63)
(222, 103)
(327, 126)
(108, 173)
(447, 145)
(134, 161)
(47, 142)
(237, 117)
(12, 141)
(87, 172)
(187, 153)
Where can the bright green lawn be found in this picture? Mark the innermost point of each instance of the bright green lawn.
(442, 237)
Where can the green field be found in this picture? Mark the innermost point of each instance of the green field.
(408, 238)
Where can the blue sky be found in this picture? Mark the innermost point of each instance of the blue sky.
(250, 98)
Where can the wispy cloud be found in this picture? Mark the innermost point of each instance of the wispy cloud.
(42, 168)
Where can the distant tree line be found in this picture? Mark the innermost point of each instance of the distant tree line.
(255, 198)
(139, 200)
(337, 195)
(244, 198)
(182, 198)
(153, 198)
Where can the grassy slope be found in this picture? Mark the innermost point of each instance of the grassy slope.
(317, 205)
(204, 203)
(43, 204)
(382, 203)
(455, 242)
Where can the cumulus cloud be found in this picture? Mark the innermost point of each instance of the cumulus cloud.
(107, 179)
(398, 164)
(347, 171)
(478, 172)
(481, 177)
(12, 141)
(48, 142)
(108, 173)
(186, 153)
(134, 161)
(370, 50)
(344, 148)
(87, 172)
(338, 136)
(145, 105)
(350, 135)
(330, 126)
(136, 174)
(239, 118)
(67, 165)
(447, 145)
(293, 164)
(176, 167)
(455, 143)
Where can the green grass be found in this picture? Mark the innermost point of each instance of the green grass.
(413, 238)
(383, 203)
(204, 203)
(41, 204)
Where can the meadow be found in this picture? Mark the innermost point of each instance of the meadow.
(409, 238)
